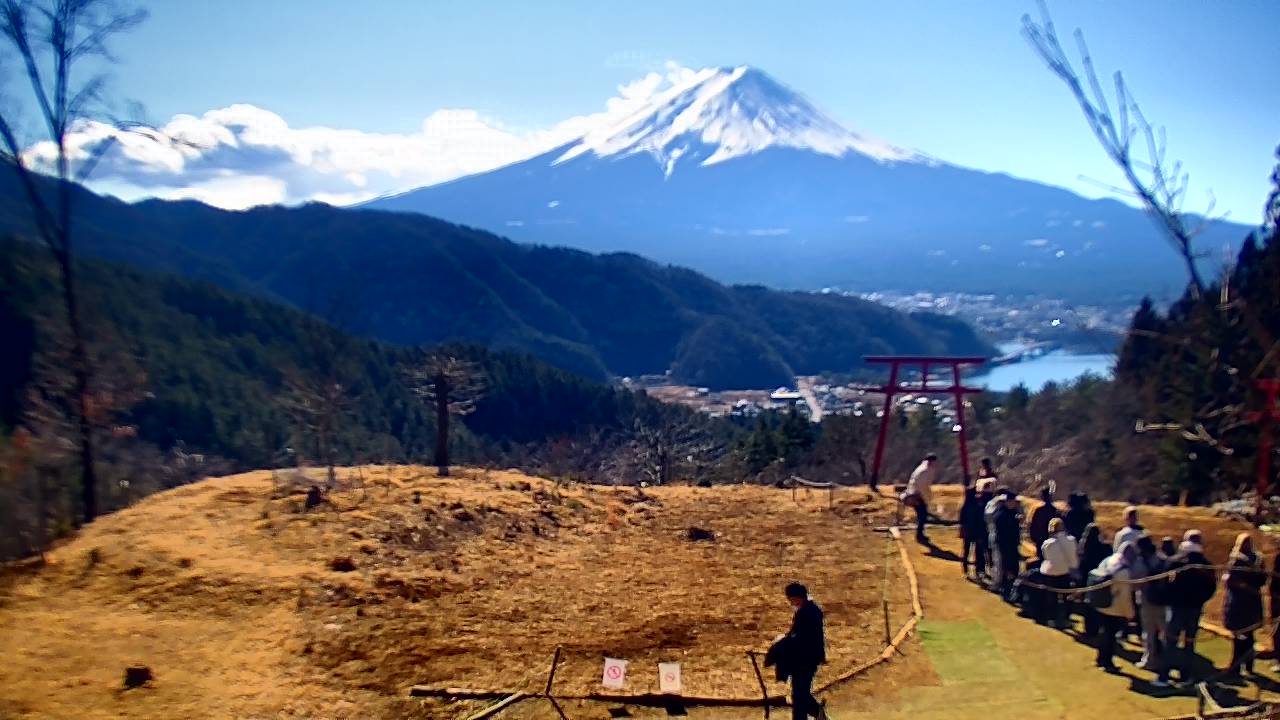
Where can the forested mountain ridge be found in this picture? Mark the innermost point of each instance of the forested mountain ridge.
(212, 368)
(409, 279)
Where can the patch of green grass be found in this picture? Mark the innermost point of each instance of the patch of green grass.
(966, 652)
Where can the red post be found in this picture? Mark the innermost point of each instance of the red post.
(884, 425)
(964, 428)
(1270, 388)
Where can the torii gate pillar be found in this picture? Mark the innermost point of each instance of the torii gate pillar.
(1270, 390)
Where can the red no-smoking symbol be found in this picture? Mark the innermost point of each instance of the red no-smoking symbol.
(671, 676)
(614, 672)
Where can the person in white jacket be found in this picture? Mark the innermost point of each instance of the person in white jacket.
(1061, 560)
(1117, 615)
(919, 492)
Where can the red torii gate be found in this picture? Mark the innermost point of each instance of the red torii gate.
(892, 388)
(1271, 390)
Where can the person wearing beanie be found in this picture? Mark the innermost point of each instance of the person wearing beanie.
(1193, 585)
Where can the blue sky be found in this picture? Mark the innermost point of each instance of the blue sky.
(953, 79)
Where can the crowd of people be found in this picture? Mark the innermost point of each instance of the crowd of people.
(1135, 583)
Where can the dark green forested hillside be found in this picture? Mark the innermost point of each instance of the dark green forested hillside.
(213, 367)
(409, 279)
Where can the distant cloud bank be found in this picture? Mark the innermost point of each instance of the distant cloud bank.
(243, 155)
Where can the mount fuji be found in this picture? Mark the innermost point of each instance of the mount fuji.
(735, 174)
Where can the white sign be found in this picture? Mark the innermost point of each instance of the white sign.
(615, 673)
(669, 678)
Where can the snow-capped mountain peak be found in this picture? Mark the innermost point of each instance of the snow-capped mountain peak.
(722, 113)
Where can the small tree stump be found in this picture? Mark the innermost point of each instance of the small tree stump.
(342, 564)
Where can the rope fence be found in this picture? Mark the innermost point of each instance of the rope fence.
(796, 482)
(1076, 592)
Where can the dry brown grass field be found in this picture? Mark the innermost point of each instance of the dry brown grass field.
(227, 590)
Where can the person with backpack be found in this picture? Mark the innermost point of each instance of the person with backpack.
(973, 530)
(1192, 586)
(1113, 600)
(1242, 609)
(1093, 550)
(1153, 608)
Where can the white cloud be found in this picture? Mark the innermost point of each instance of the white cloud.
(234, 191)
(244, 155)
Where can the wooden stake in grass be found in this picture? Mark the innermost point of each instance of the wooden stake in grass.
(764, 691)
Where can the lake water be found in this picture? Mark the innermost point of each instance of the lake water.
(1058, 366)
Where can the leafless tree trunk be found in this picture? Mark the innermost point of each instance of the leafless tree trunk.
(1161, 186)
(48, 38)
(320, 397)
(451, 386)
(53, 410)
(660, 447)
(318, 403)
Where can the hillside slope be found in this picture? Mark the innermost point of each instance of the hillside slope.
(227, 591)
(409, 279)
(215, 365)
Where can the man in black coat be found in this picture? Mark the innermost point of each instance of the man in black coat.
(1009, 541)
(973, 527)
(807, 649)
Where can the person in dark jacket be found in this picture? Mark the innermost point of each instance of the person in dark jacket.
(1079, 515)
(1153, 608)
(1038, 525)
(1273, 589)
(1009, 541)
(807, 650)
(973, 531)
(1093, 550)
(1242, 610)
(1189, 590)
